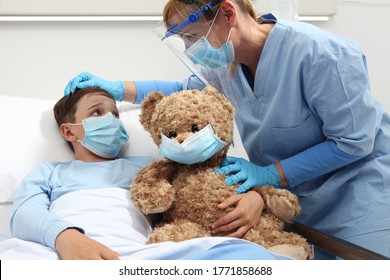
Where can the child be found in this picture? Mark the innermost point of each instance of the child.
(89, 121)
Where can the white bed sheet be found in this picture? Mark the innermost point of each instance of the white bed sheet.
(5, 214)
(109, 216)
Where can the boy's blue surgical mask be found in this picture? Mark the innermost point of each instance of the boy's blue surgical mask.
(198, 148)
(104, 136)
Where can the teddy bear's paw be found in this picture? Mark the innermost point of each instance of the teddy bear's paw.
(281, 207)
(294, 251)
(155, 200)
(179, 231)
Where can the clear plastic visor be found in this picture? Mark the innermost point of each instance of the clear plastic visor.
(179, 34)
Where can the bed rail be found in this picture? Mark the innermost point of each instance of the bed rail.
(339, 247)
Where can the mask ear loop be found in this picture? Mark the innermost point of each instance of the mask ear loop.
(211, 26)
(75, 124)
(230, 32)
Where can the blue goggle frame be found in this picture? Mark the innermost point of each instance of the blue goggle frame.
(192, 18)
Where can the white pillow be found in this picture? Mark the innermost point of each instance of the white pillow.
(30, 135)
(140, 143)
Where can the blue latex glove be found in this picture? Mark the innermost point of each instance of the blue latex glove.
(145, 87)
(85, 79)
(250, 174)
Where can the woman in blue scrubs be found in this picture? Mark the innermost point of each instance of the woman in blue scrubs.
(305, 114)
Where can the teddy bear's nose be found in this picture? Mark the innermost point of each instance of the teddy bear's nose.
(180, 138)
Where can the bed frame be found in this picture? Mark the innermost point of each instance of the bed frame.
(336, 246)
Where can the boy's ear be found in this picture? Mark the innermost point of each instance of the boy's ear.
(67, 133)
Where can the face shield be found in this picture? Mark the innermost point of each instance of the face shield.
(189, 35)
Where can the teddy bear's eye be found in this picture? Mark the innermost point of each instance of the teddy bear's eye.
(172, 134)
(194, 128)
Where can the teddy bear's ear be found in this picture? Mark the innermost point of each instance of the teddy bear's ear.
(147, 108)
(221, 98)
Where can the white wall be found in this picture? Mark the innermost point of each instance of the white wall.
(38, 58)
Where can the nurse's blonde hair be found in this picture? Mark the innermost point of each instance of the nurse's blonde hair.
(175, 8)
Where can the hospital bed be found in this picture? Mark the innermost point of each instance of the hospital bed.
(30, 136)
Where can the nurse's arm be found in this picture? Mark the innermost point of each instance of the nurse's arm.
(130, 92)
(283, 180)
(136, 91)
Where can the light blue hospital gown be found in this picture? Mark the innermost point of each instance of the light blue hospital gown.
(51, 180)
(311, 86)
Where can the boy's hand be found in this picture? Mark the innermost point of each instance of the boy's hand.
(73, 245)
(246, 214)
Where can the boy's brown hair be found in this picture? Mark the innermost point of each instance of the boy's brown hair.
(65, 108)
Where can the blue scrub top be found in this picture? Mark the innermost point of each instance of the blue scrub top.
(311, 86)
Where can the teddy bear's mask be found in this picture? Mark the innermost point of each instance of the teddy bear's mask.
(197, 148)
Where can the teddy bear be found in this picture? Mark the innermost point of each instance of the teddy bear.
(187, 194)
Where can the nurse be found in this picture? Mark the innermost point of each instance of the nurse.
(305, 114)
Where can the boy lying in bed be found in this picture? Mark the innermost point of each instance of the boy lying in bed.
(82, 210)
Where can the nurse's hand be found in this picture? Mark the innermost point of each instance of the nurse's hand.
(85, 79)
(246, 214)
(250, 174)
(73, 245)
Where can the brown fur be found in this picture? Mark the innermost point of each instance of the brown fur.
(188, 195)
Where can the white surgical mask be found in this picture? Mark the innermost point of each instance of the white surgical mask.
(198, 148)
